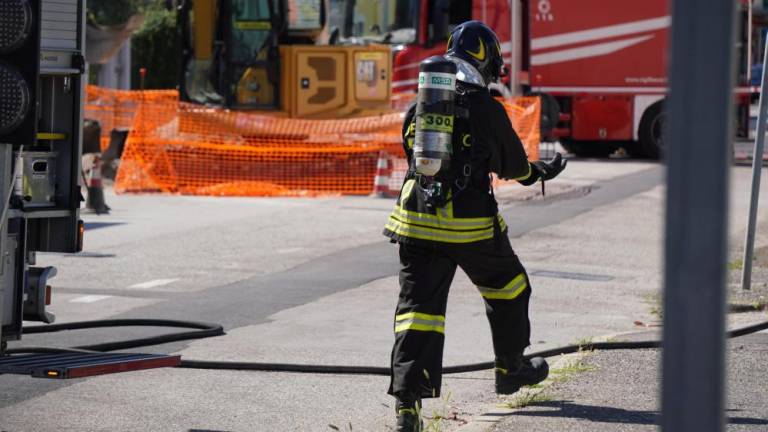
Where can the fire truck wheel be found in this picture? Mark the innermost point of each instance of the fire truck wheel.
(587, 148)
(650, 132)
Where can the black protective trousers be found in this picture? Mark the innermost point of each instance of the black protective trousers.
(426, 274)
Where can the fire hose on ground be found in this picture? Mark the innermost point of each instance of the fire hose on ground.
(200, 330)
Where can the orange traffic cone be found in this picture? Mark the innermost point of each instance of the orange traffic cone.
(95, 201)
(381, 179)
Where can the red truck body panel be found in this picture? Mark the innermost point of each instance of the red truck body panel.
(598, 46)
(601, 117)
(605, 60)
(495, 13)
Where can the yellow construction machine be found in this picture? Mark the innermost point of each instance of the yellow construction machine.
(263, 55)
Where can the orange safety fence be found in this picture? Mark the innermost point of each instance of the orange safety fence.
(176, 147)
(116, 109)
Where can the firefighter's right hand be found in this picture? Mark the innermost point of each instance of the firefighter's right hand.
(549, 170)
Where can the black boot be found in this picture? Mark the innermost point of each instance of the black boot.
(517, 371)
(408, 415)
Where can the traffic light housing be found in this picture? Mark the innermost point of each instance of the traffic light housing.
(19, 71)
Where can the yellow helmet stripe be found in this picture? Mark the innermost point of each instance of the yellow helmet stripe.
(480, 54)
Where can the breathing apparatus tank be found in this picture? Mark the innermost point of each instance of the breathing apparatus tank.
(435, 103)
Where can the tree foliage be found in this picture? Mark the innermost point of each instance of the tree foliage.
(155, 47)
(115, 12)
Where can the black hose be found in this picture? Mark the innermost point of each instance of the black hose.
(205, 330)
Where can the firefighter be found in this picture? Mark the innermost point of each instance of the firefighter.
(446, 216)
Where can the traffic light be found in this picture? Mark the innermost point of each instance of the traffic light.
(19, 71)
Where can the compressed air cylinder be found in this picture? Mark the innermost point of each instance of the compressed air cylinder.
(434, 115)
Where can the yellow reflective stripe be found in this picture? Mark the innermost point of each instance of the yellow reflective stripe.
(418, 315)
(424, 233)
(438, 222)
(406, 191)
(447, 212)
(420, 321)
(530, 171)
(502, 223)
(443, 213)
(510, 291)
(442, 226)
(410, 132)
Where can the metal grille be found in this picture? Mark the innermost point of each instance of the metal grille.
(14, 97)
(59, 24)
(15, 24)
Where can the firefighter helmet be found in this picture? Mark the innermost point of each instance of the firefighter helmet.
(475, 43)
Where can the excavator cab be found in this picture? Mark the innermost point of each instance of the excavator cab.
(230, 48)
(263, 55)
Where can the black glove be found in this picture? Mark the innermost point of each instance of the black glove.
(549, 170)
(545, 170)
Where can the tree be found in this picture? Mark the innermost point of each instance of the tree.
(115, 12)
(155, 46)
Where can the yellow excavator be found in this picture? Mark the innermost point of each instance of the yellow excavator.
(263, 55)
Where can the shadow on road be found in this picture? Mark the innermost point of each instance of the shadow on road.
(604, 414)
(90, 226)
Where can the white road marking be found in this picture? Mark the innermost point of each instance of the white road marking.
(89, 299)
(153, 283)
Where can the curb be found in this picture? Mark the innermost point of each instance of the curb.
(497, 413)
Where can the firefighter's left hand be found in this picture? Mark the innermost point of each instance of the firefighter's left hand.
(551, 169)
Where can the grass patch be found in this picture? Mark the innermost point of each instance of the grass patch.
(577, 367)
(736, 264)
(527, 398)
(655, 302)
(537, 393)
(436, 422)
(566, 372)
(585, 344)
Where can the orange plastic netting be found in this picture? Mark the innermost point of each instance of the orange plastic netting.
(175, 147)
(116, 109)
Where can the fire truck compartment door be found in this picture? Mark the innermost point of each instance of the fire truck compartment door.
(602, 117)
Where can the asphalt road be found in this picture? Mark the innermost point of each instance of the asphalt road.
(313, 280)
(627, 399)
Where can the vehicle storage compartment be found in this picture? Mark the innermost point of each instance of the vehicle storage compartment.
(601, 118)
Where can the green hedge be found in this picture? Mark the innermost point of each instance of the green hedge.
(155, 47)
(114, 12)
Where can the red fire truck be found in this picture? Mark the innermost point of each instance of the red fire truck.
(599, 65)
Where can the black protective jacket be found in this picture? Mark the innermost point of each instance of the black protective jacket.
(483, 142)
